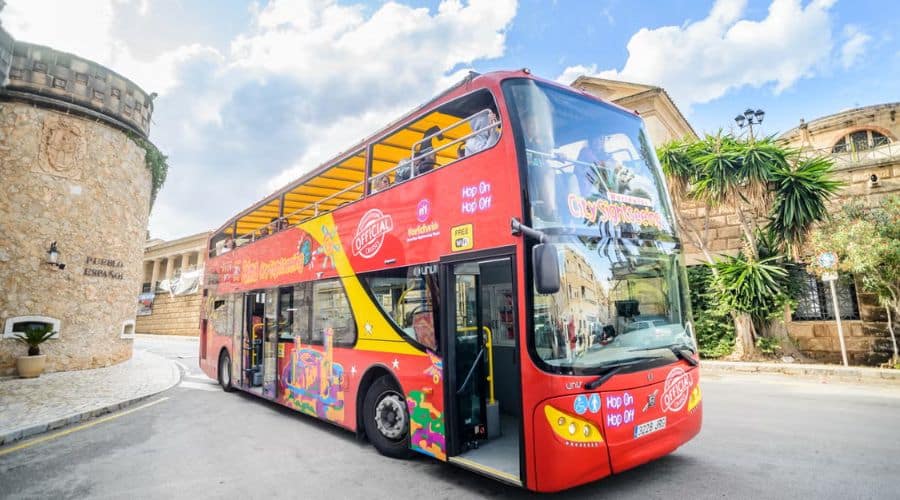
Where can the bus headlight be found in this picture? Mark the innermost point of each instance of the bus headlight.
(566, 428)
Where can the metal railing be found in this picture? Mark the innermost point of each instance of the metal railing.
(413, 157)
(856, 158)
(317, 208)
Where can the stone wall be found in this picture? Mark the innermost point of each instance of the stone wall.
(178, 315)
(83, 184)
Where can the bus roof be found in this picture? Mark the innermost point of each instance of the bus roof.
(266, 208)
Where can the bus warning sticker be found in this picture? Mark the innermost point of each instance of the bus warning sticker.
(462, 238)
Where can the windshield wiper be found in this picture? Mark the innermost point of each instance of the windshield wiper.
(610, 370)
(679, 351)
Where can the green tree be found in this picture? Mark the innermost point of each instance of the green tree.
(771, 190)
(866, 240)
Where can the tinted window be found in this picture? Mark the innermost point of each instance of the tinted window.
(331, 310)
(408, 296)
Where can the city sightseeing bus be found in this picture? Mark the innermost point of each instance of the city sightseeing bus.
(494, 280)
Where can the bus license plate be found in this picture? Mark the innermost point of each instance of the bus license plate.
(650, 427)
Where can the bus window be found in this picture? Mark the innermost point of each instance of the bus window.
(457, 129)
(331, 309)
(408, 296)
(285, 321)
(299, 309)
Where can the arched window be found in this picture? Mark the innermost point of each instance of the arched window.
(860, 140)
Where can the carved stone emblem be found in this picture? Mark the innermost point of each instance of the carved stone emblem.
(62, 148)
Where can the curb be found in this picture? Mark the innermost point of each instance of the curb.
(156, 336)
(25, 432)
(850, 373)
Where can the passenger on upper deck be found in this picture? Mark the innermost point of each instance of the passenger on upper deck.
(485, 138)
(425, 160)
(594, 167)
(537, 131)
(423, 157)
(381, 183)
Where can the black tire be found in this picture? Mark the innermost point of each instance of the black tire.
(225, 379)
(385, 405)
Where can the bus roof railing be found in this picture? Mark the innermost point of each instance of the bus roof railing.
(316, 208)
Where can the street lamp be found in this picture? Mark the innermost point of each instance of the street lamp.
(749, 118)
(53, 252)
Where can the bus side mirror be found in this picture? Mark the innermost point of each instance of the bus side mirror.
(546, 268)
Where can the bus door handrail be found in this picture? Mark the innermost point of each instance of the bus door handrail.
(488, 344)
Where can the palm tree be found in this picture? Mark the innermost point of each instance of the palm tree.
(767, 187)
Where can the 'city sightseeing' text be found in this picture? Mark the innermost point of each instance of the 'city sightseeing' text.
(594, 211)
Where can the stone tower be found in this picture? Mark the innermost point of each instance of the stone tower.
(72, 177)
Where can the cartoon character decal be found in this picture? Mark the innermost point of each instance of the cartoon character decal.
(331, 246)
(426, 425)
(314, 383)
(436, 368)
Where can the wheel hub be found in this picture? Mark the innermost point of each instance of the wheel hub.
(390, 416)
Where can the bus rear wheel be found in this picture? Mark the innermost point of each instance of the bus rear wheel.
(386, 418)
(225, 372)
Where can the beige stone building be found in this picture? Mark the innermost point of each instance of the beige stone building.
(173, 273)
(73, 181)
(862, 143)
(662, 117)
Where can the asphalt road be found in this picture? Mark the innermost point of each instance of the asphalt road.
(762, 438)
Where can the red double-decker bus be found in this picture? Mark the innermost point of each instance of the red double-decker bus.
(494, 280)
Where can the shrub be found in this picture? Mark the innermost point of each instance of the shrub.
(713, 326)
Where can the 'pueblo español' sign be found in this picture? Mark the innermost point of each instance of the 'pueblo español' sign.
(103, 268)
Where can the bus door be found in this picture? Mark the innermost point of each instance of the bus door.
(259, 343)
(483, 394)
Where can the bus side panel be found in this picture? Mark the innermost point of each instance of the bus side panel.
(324, 382)
(213, 343)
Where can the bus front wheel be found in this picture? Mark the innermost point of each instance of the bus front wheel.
(386, 418)
(225, 372)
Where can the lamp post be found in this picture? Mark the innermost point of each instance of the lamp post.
(749, 118)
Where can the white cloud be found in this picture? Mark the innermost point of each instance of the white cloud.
(378, 65)
(701, 61)
(85, 28)
(572, 72)
(300, 83)
(854, 45)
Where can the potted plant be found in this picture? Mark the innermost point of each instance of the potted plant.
(33, 365)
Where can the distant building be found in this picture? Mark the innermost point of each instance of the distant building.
(863, 145)
(662, 117)
(862, 142)
(170, 298)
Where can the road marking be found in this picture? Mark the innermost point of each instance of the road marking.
(77, 428)
(199, 386)
(201, 378)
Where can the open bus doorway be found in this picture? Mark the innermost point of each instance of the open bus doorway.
(257, 346)
(484, 395)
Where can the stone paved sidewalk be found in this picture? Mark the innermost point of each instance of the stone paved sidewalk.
(862, 374)
(53, 400)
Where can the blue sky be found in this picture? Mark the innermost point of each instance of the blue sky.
(253, 94)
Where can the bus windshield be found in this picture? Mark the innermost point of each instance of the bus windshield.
(595, 188)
